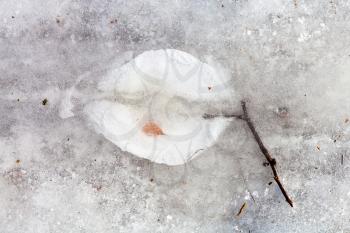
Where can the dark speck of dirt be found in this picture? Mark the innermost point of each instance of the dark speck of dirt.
(151, 180)
(342, 159)
(113, 21)
(222, 5)
(17, 100)
(270, 183)
(18, 161)
(68, 139)
(12, 16)
(44, 102)
(282, 112)
(58, 20)
(265, 164)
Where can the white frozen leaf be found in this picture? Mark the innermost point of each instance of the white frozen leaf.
(162, 125)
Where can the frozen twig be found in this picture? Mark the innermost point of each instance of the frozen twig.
(272, 161)
(211, 116)
(263, 149)
(241, 209)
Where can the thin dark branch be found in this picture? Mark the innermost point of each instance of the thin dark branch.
(241, 209)
(211, 116)
(269, 158)
(342, 159)
(266, 153)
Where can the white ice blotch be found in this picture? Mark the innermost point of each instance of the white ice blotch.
(66, 106)
(154, 108)
(170, 71)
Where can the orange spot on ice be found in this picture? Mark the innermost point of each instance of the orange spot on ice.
(152, 129)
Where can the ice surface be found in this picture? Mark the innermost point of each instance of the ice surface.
(289, 59)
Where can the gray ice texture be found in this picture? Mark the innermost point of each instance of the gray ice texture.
(290, 59)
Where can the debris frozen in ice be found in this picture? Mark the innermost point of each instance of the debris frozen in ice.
(153, 106)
